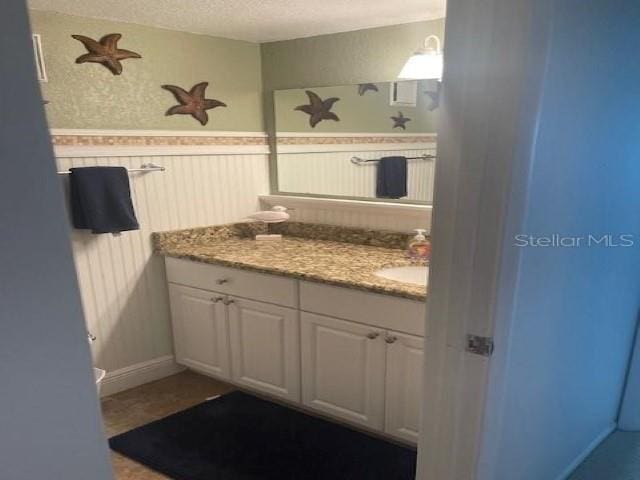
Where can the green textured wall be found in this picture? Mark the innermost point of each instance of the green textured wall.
(371, 55)
(369, 113)
(89, 96)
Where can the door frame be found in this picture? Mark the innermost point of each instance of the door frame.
(494, 62)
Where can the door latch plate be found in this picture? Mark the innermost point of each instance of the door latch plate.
(479, 345)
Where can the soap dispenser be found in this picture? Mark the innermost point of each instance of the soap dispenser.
(419, 249)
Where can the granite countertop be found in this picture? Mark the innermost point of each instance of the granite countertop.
(304, 253)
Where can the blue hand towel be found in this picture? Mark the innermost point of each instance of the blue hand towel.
(101, 200)
(391, 181)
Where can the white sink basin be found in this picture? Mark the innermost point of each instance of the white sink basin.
(418, 275)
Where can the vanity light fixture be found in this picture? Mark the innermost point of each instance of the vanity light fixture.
(425, 63)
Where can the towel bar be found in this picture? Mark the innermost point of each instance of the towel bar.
(145, 167)
(362, 161)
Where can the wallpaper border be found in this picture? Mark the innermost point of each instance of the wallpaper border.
(109, 143)
(350, 139)
(113, 143)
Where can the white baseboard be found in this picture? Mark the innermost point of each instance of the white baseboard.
(139, 374)
(587, 451)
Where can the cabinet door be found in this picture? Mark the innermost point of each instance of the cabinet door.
(405, 354)
(343, 369)
(200, 333)
(265, 347)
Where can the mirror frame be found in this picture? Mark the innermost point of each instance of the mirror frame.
(273, 164)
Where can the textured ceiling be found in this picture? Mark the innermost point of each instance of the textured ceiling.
(253, 20)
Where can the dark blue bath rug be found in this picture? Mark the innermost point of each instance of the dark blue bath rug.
(240, 437)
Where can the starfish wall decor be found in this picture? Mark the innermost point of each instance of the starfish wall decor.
(400, 121)
(365, 87)
(105, 52)
(318, 109)
(193, 102)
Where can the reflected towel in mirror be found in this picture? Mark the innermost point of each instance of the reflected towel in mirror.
(391, 180)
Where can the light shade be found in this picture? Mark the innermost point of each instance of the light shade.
(426, 63)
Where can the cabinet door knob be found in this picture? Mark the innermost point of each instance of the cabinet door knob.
(229, 301)
(217, 299)
(390, 339)
(222, 281)
(373, 335)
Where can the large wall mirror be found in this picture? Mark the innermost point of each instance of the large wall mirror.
(350, 141)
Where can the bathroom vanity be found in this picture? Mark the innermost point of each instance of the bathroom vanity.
(303, 320)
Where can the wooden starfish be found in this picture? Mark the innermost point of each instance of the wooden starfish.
(365, 87)
(318, 109)
(192, 102)
(435, 96)
(400, 121)
(105, 52)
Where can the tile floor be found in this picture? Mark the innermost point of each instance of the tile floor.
(130, 409)
(617, 458)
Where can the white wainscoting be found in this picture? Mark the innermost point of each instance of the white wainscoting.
(354, 213)
(332, 173)
(396, 222)
(123, 285)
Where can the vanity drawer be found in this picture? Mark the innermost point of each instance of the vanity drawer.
(383, 311)
(233, 281)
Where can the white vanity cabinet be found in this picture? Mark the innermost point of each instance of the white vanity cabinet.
(349, 354)
(362, 374)
(200, 330)
(265, 349)
(343, 366)
(220, 332)
(403, 386)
